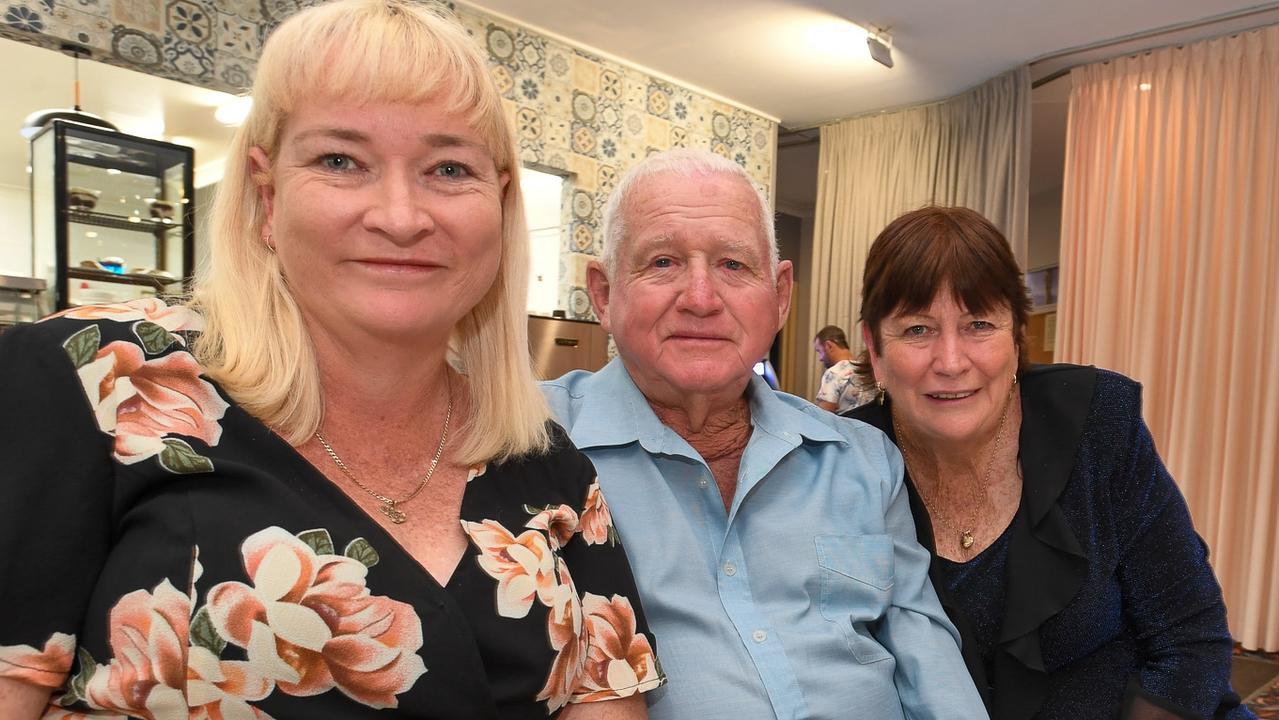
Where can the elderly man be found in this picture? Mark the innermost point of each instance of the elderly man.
(771, 541)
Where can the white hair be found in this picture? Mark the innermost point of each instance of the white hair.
(681, 162)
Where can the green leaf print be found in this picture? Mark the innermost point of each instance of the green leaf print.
(83, 346)
(178, 457)
(204, 634)
(360, 549)
(75, 688)
(153, 337)
(318, 540)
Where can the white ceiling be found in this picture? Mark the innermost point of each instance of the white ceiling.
(768, 55)
(137, 103)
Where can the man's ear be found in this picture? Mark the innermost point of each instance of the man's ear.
(785, 286)
(597, 286)
(260, 175)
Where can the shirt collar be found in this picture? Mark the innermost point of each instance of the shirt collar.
(613, 412)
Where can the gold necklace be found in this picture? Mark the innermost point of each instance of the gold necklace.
(390, 507)
(966, 538)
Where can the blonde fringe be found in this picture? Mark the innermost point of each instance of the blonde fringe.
(255, 343)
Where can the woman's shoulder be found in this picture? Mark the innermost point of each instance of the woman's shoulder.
(147, 322)
(1096, 391)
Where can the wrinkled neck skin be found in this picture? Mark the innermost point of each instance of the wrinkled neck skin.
(967, 463)
(714, 431)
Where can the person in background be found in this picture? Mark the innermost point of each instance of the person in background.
(1061, 547)
(842, 388)
(771, 540)
(328, 488)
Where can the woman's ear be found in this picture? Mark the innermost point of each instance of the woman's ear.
(260, 175)
(868, 339)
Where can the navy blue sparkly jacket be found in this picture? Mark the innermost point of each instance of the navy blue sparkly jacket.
(1111, 608)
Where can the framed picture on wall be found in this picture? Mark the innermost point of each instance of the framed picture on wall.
(1042, 284)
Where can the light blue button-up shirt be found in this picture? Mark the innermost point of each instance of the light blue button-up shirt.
(809, 599)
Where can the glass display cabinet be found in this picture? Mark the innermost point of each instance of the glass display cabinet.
(112, 215)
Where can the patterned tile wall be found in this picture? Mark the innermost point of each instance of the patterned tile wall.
(574, 113)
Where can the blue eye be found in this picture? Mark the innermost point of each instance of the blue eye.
(662, 262)
(733, 265)
(915, 331)
(336, 161)
(982, 326)
(452, 170)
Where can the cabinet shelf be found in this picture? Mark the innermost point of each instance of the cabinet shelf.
(121, 222)
(151, 281)
(70, 160)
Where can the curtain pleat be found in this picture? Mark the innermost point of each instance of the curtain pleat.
(970, 150)
(1170, 274)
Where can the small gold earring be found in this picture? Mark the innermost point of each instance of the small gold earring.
(267, 241)
(882, 392)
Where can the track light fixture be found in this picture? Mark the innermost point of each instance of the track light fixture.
(880, 44)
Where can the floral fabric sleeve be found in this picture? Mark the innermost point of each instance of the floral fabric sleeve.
(562, 561)
(56, 491)
(618, 653)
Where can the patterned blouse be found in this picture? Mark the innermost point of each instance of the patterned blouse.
(163, 554)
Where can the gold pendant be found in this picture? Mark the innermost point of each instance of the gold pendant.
(966, 539)
(397, 517)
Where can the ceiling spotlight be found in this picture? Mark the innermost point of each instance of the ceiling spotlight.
(234, 111)
(880, 44)
(36, 121)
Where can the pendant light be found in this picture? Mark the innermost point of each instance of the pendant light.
(39, 119)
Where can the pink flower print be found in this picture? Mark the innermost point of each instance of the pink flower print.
(141, 401)
(597, 521)
(46, 668)
(310, 623)
(523, 566)
(558, 523)
(619, 660)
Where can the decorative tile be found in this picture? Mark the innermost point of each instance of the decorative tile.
(136, 47)
(530, 52)
(583, 139)
(84, 28)
(145, 15)
(237, 36)
(189, 22)
(528, 124)
(500, 43)
(188, 60)
(586, 75)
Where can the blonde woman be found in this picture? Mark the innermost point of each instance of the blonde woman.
(328, 487)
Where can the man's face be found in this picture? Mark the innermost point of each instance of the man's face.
(823, 353)
(693, 303)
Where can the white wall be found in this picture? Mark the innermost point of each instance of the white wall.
(15, 222)
(1044, 229)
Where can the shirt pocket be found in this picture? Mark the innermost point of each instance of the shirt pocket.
(856, 587)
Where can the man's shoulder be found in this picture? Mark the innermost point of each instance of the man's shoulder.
(565, 393)
(852, 431)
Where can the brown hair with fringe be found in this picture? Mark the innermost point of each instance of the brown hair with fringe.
(933, 247)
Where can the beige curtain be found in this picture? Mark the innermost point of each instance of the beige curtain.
(1170, 274)
(970, 150)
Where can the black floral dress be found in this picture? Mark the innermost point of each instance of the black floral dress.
(165, 555)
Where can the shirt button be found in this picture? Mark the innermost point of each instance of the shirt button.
(759, 636)
(703, 483)
(730, 569)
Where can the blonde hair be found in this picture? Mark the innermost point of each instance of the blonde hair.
(255, 344)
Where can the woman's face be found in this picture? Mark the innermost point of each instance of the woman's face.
(947, 371)
(387, 218)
